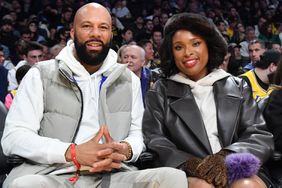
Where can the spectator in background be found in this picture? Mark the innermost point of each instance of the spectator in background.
(235, 62)
(163, 18)
(121, 11)
(62, 36)
(256, 49)
(249, 36)
(138, 25)
(221, 26)
(276, 46)
(239, 34)
(66, 18)
(20, 73)
(261, 77)
(19, 54)
(147, 45)
(259, 25)
(147, 31)
(33, 25)
(127, 35)
(134, 57)
(7, 36)
(156, 21)
(26, 35)
(5, 62)
(267, 35)
(157, 36)
(33, 53)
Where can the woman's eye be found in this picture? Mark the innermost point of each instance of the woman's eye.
(177, 47)
(197, 43)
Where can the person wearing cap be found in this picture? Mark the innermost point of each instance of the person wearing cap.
(260, 78)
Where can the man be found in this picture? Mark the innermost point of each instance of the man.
(147, 45)
(134, 57)
(83, 108)
(256, 49)
(126, 36)
(33, 54)
(260, 78)
(276, 46)
(249, 36)
(157, 36)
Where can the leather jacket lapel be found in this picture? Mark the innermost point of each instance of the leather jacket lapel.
(228, 101)
(186, 108)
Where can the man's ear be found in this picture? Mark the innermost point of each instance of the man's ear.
(72, 33)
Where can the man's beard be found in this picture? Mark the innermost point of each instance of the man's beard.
(88, 57)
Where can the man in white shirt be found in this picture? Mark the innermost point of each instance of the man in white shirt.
(33, 54)
(81, 113)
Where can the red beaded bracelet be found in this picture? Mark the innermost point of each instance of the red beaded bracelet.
(74, 160)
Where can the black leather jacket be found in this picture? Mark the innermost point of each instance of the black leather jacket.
(174, 129)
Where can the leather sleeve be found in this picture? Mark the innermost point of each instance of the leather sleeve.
(252, 135)
(155, 129)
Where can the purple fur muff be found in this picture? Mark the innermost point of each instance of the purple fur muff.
(241, 165)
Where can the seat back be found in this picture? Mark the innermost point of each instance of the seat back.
(4, 166)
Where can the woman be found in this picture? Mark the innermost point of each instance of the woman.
(199, 114)
(273, 117)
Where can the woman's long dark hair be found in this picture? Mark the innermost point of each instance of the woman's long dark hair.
(198, 25)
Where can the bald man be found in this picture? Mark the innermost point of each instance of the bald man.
(77, 119)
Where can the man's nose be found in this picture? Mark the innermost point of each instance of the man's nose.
(95, 32)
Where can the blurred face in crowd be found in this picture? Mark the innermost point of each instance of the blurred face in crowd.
(67, 16)
(92, 34)
(255, 51)
(276, 47)
(250, 34)
(2, 57)
(149, 25)
(149, 51)
(33, 27)
(157, 37)
(26, 36)
(6, 28)
(132, 55)
(164, 18)
(34, 56)
(190, 54)
(221, 27)
(127, 36)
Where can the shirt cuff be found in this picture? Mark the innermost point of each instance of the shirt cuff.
(56, 152)
(137, 149)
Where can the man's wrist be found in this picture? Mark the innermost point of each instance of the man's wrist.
(129, 150)
(68, 154)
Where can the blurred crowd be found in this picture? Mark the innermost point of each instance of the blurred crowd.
(44, 26)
